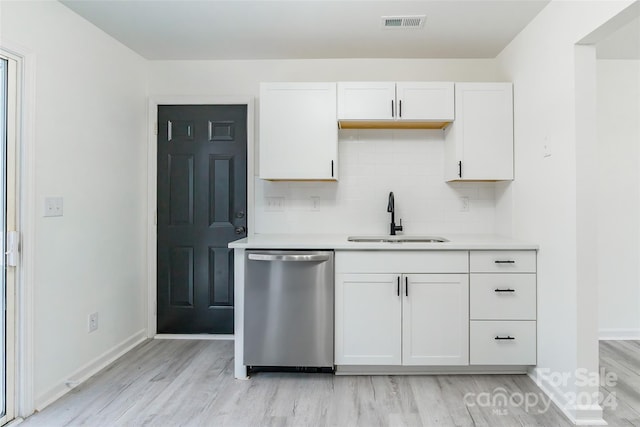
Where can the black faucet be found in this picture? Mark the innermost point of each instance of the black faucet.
(391, 207)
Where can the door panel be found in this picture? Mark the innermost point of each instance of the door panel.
(220, 277)
(181, 277)
(221, 190)
(368, 319)
(181, 189)
(202, 203)
(436, 319)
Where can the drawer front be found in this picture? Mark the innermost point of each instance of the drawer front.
(502, 296)
(502, 261)
(485, 349)
(402, 261)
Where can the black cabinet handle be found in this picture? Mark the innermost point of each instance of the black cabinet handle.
(406, 286)
(460, 168)
(506, 261)
(398, 285)
(392, 112)
(499, 338)
(331, 168)
(400, 107)
(504, 290)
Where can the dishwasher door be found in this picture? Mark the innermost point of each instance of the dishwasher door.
(288, 308)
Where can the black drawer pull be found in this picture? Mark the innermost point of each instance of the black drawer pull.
(508, 261)
(499, 338)
(504, 290)
(398, 285)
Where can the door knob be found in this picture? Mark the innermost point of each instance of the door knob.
(240, 230)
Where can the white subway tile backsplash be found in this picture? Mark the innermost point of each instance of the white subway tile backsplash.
(371, 164)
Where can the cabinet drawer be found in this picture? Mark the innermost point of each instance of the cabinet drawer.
(502, 296)
(502, 261)
(486, 347)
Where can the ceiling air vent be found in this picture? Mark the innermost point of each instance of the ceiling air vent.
(415, 21)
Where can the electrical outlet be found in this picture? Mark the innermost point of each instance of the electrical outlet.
(93, 322)
(315, 203)
(53, 206)
(464, 204)
(547, 148)
(274, 204)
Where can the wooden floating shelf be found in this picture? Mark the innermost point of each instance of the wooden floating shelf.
(363, 124)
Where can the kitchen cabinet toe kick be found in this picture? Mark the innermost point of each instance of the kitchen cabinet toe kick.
(432, 370)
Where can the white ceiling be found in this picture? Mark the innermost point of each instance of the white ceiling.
(623, 44)
(303, 29)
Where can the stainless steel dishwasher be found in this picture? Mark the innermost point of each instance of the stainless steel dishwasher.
(288, 309)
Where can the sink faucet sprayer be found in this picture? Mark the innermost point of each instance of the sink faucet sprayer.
(391, 207)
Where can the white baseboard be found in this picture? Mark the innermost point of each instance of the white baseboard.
(580, 415)
(88, 370)
(619, 334)
(211, 337)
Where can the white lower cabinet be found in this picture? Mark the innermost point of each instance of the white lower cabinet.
(503, 342)
(502, 308)
(402, 318)
(368, 319)
(435, 319)
(435, 308)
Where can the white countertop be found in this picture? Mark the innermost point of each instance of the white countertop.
(340, 242)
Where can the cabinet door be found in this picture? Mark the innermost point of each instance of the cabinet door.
(366, 101)
(435, 320)
(368, 319)
(298, 137)
(479, 143)
(432, 101)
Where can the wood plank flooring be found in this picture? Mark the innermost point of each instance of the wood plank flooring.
(623, 359)
(190, 383)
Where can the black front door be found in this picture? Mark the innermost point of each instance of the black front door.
(202, 206)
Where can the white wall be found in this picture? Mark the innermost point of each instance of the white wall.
(618, 197)
(544, 198)
(90, 133)
(372, 163)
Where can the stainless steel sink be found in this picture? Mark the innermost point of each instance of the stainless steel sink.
(397, 239)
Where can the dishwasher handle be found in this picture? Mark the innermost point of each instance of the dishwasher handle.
(290, 257)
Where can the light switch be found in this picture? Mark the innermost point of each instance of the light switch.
(315, 203)
(464, 204)
(546, 148)
(53, 206)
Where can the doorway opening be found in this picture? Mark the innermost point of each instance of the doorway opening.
(8, 234)
(200, 183)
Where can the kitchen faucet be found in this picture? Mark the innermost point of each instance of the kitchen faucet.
(391, 207)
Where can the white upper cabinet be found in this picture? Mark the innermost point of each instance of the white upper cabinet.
(366, 100)
(432, 101)
(479, 144)
(395, 105)
(298, 137)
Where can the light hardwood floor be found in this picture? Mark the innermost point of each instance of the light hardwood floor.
(622, 358)
(190, 383)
